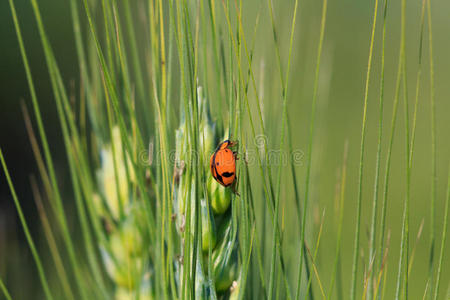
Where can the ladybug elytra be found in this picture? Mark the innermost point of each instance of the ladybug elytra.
(223, 164)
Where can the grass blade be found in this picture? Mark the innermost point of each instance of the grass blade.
(404, 245)
(5, 290)
(433, 153)
(24, 224)
(310, 145)
(361, 160)
(444, 236)
(373, 230)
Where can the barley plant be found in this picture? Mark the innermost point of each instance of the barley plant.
(338, 114)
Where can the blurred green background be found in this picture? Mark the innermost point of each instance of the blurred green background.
(339, 117)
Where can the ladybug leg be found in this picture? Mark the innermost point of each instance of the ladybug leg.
(235, 154)
(233, 143)
(234, 188)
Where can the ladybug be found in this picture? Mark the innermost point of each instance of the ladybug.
(223, 164)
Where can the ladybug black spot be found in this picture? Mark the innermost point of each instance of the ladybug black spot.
(227, 174)
(217, 163)
(219, 178)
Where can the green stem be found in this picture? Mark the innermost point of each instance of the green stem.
(310, 145)
(4, 290)
(361, 160)
(444, 237)
(23, 221)
(433, 153)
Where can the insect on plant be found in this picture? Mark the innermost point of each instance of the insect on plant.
(223, 164)
(315, 100)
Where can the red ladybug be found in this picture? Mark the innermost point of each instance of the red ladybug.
(223, 164)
